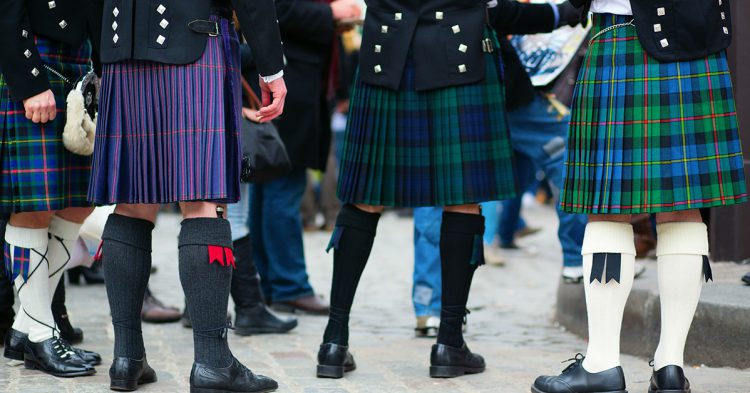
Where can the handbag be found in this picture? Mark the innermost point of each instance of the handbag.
(264, 155)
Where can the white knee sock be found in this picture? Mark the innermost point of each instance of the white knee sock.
(63, 235)
(31, 245)
(605, 300)
(679, 251)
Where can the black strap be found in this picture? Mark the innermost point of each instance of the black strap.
(205, 27)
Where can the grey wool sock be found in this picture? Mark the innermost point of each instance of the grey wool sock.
(206, 263)
(126, 259)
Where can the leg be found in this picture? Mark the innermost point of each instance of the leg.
(461, 252)
(351, 243)
(206, 262)
(426, 292)
(682, 258)
(126, 255)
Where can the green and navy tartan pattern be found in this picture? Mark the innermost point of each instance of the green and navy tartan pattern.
(37, 173)
(440, 147)
(649, 137)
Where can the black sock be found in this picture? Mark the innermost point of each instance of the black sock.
(352, 242)
(245, 287)
(127, 265)
(460, 255)
(206, 262)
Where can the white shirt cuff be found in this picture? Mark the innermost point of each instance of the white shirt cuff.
(271, 78)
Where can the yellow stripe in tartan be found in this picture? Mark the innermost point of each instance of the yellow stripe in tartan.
(664, 162)
(684, 139)
(649, 79)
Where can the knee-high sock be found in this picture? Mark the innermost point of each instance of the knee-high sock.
(206, 262)
(62, 237)
(126, 259)
(679, 252)
(27, 250)
(460, 254)
(351, 242)
(607, 289)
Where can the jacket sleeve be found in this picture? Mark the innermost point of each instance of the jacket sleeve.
(260, 27)
(513, 17)
(306, 21)
(20, 64)
(95, 33)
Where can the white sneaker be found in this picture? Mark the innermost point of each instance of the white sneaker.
(427, 326)
(492, 256)
(572, 274)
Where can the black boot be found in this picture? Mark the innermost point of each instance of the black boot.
(575, 379)
(60, 313)
(92, 275)
(15, 346)
(234, 378)
(55, 357)
(669, 379)
(460, 254)
(126, 374)
(252, 314)
(334, 360)
(7, 298)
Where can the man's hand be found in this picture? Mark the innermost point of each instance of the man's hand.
(273, 95)
(345, 9)
(41, 108)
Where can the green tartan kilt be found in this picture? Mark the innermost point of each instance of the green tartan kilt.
(441, 147)
(650, 137)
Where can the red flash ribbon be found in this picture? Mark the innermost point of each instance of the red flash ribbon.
(230, 257)
(98, 255)
(216, 254)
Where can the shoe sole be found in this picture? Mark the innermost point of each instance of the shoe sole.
(335, 372)
(129, 385)
(204, 390)
(453, 371)
(535, 390)
(32, 365)
(294, 310)
(254, 331)
(669, 391)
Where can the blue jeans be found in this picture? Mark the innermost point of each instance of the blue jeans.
(538, 132)
(238, 214)
(510, 220)
(427, 290)
(276, 233)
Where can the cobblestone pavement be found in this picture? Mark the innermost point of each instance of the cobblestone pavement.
(511, 325)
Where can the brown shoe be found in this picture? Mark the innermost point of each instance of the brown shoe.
(313, 304)
(154, 311)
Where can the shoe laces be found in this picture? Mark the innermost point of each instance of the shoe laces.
(576, 361)
(62, 348)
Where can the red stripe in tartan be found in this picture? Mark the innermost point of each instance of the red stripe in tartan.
(655, 121)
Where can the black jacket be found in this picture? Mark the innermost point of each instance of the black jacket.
(677, 30)
(157, 30)
(68, 21)
(445, 37)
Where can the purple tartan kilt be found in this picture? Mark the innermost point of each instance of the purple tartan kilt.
(170, 133)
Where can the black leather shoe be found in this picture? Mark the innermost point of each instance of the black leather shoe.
(235, 378)
(92, 275)
(450, 362)
(575, 379)
(746, 278)
(669, 379)
(55, 357)
(334, 360)
(60, 314)
(260, 320)
(126, 374)
(15, 345)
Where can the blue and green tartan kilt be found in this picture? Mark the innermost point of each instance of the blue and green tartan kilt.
(440, 147)
(650, 137)
(37, 173)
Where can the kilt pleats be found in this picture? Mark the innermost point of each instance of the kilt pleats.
(440, 147)
(649, 137)
(170, 133)
(37, 173)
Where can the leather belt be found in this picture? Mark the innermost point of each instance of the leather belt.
(205, 27)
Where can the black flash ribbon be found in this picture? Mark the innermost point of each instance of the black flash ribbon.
(610, 261)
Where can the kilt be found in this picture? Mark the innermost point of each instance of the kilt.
(170, 133)
(440, 147)
(37, 173)
(650, 137)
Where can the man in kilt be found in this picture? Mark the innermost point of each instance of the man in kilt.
(47, 47)
(653, 130)
(425, 129)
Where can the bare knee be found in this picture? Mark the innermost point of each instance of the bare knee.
(370, 208)
(610, 217)
(75, 214)
(143, 212)
(464, 209)
(681, 216)
(202, 210)
(33, 220)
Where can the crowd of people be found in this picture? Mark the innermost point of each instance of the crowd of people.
(443, 118)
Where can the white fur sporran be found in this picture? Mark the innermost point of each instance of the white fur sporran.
(80, 124)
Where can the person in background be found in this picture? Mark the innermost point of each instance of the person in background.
(46, 46)
(653, 130)
(190, 47)
(507, 17)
